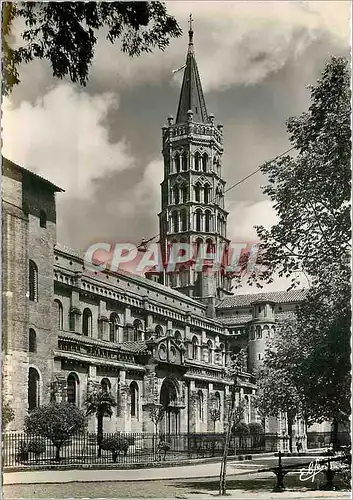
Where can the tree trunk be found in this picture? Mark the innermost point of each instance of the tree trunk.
(99, 433)
(290, 419)
(57, 453)
(335, 440)
(222, 477)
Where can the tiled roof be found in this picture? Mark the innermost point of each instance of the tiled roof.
(236, 320)
(137, 278)
(10, 164)
(191, 95)
(283, 297)
(138, 347)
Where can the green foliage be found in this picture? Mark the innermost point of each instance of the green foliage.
(156, 414)
(115, 443)
(36, 446)
(307, 371)
(56, 421)
(7, 414)
(100, 402)
(65, 33)
(256, 429)
(241, 429)
(311, 190)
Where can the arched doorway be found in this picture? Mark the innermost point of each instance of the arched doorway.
(33, 389)
(168, 399)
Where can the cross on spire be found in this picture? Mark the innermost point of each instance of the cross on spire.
(191, 31)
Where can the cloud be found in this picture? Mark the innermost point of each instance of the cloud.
(244, 216)
(235, 42)
(62, 136)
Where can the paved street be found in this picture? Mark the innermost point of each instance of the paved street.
(189, 471)
(186, 482)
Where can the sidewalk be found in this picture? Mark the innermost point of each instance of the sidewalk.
(88, 475)
(203, 470)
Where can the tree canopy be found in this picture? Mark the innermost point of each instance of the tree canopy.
(308, 366)
(65, 33)
(57, 422)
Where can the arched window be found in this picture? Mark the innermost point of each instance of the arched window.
(137, 330)
(33, 389)
(113, 327)
(210, 249)
(33, 281)
(210, 351)
(200, 412)
(134, 399)
(32, 341)
(72, 388)
(223, 353)
(177, 162)
(184, 276)
(178, 337)
(42, 219)
(207, 221)
(204, 162)
(198, 220)
(184, 161)
(217, 398)
(175, 222)
(176, 195)
(258, 332)
(173, 279)
(87, 322)
(105, 384)
(206, 195)
(197, 189)
(184, 220)
(199, 249)
(59, 314)
(194, 347)
(184, 193)
(197, 159)
(159, 331)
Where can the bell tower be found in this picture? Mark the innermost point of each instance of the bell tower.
(193, 190)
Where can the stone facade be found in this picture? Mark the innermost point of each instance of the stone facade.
(68, 330)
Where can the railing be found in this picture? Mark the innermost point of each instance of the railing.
(128, 448)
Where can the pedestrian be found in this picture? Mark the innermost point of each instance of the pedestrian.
(298, 445)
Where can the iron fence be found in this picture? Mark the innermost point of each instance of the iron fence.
(326, 439)
(126, 449)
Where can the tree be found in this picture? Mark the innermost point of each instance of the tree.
(215, 415)
(100, 403)
(156, 414)
(310, 191)
(7, 414)
(233, 370)
(57, 422)
(65, 33)
(277, 391)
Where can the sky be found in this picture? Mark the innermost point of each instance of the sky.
(102, 143)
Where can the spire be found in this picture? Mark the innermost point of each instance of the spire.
(191, 95)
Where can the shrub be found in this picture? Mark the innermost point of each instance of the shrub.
(241, 429)
(115, 444)
(255, 428)
(37, 446)
(57, 422)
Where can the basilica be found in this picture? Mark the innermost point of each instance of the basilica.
(165, 338)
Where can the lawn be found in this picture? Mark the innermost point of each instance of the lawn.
(157, 489)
